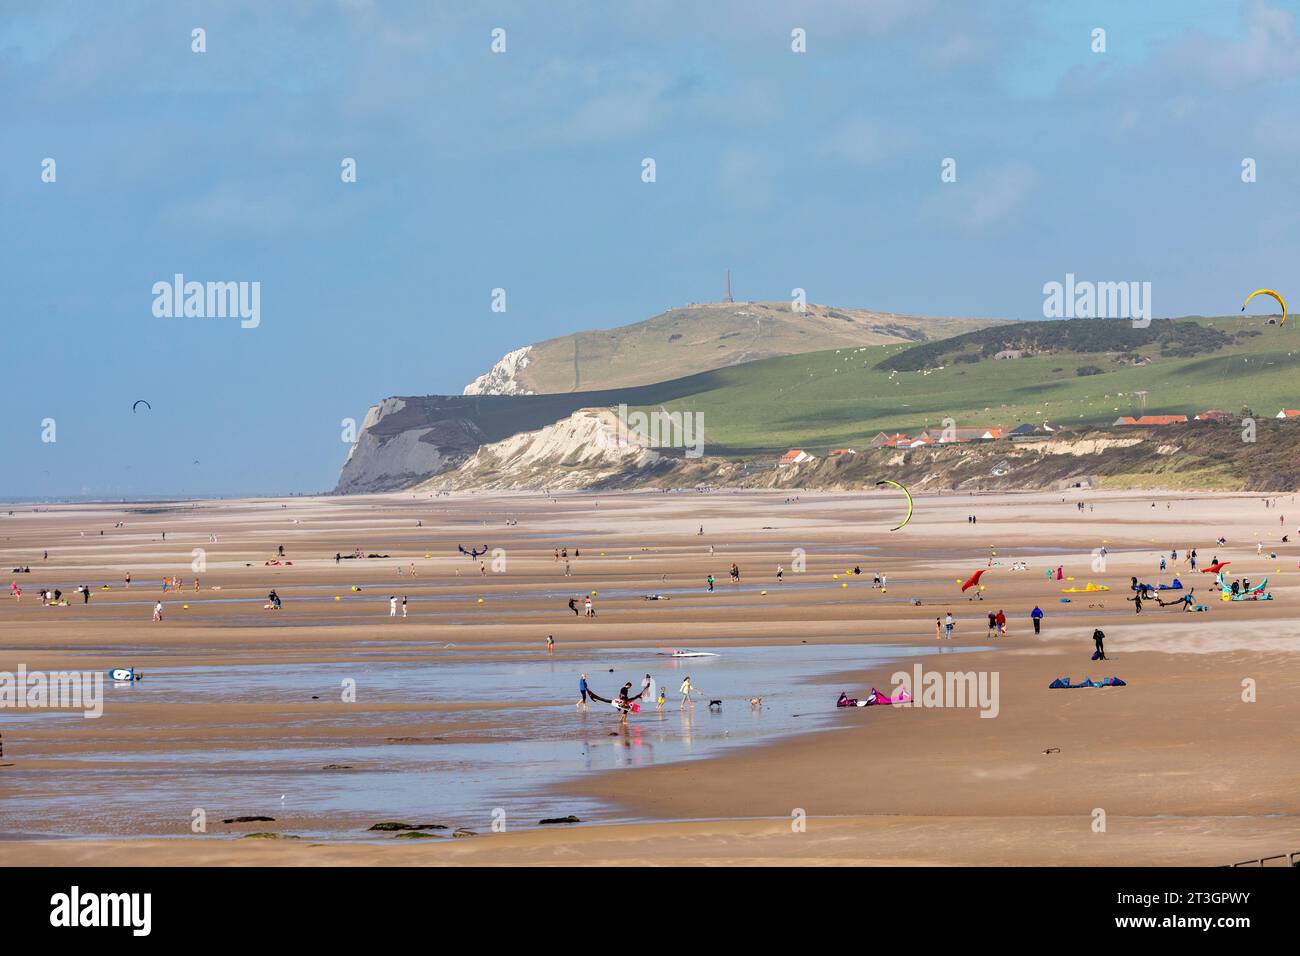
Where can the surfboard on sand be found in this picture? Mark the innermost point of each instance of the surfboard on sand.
(686, 652)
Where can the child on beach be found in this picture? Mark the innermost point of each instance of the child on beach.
(157, 611)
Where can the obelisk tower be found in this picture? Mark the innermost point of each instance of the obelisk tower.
(727, 298)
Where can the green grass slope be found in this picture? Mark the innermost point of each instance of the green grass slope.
(842, 397)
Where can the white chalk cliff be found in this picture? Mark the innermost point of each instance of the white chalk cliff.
(502, 378)
(581, 451)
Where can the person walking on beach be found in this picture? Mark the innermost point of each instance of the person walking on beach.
(993, 624)
(573, 606)
(948, 625)
(403, 605)
(392, 605)
(1137, 602)
(588, 608)
(710, 582)
(1036, 615)
(647, 687)
(938, 629)
(550, 644)
(157, 611)
(780, 573)
(1098, 638)
(685, 691)
(1001, 621)
(582, 693)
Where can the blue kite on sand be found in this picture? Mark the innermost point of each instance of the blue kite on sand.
(1064, 682)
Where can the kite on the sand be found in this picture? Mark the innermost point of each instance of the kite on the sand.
(1256, 593)
(1216, 567)
(906, 493)
(471, 551)
(875, 697)
(974, 579)
(1064, 682)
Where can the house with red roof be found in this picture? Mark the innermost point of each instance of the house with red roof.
(795, 456)
(1152, 420)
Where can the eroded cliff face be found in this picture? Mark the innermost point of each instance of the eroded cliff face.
(585, 450)
(503, 378)
(402, 444)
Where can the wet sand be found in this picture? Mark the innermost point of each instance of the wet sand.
(1173, 768)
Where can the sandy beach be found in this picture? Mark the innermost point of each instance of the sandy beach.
(242, 708)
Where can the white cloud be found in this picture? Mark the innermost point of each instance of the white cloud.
(984, 198)
(860, 141)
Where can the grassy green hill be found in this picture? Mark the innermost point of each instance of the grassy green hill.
(706, 336)
(842, 397)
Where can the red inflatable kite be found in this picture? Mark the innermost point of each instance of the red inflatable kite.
(1215, 568)
(974, 579)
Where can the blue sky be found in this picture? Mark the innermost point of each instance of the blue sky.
(522, 170)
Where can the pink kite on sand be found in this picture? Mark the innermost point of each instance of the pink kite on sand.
(876, 697)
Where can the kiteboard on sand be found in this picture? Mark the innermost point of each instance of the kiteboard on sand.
(685, 652)
(124, 674)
